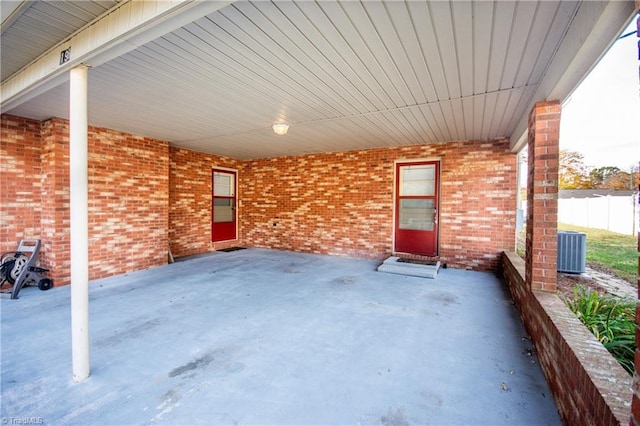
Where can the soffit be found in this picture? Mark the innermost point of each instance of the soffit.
(344, 75)
(34, 27)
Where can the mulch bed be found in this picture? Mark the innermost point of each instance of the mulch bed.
(566, 283)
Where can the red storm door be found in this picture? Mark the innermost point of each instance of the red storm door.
(416, 215)
(223, 224)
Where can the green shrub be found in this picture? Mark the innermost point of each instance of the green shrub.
(611, 319)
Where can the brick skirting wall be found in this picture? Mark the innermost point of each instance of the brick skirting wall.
(588, 384)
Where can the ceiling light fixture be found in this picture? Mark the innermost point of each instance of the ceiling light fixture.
(280, 128)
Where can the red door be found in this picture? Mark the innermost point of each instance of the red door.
(223, 224)
(416, 223)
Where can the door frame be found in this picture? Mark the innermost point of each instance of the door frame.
(395, 197)
(235, 212)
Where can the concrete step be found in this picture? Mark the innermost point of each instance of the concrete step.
(414, 268)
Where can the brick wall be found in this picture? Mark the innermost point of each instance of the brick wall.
(55, 200)
(143, 194)
(20, 181)
(342, 203)
(128, 202)
(190, 200)
(588, 384)
(128, 196)
(542, 196)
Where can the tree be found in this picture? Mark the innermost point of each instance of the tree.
(614, 178)
(635, 172)
(608, 178)
(572, 173)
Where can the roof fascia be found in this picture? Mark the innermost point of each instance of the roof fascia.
(129, 25)
(593, 30)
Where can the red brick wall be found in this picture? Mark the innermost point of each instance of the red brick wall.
(190, 200)
(55, 199)
(20, 181)
(128, 202)
(588, 384)
(542, 196)
(144, 194)
(128, 196)
(342, 203)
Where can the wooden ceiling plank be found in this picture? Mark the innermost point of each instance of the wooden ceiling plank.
(497, 115)
(420, 125)
(342, 15)
(481, 38)
(95, 8)
(378, 128)
(149, 117)
(565, 12)
(462, 19)
(403, 130)
(340, 53)
(261, 81)
(525, 13)
(503, 16)
(374, 34)
(395, 50)
(165, 85)
(423, 133)
(223, 97)
(443, 27)
(406, 30)
(489, 111)
(250, 44)
(422, 21)
(537, 35)
(425, 118)
(220, 73)
(345, 75)
(312, 63)
(45, 31)
(437, 111)
(29, 41)
(468, 118)
(522, 100)
(479, 112)
(514, 98)
(458, 116)
(50, 16)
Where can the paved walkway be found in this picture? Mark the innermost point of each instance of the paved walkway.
(613, 285)
(269, 337)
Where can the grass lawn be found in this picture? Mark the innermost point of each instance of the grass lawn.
(610, 251)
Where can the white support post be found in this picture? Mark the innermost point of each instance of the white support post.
(79, 227)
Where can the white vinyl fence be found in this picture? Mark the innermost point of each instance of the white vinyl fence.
(609, 212)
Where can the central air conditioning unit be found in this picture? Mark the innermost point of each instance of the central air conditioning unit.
(572, 252)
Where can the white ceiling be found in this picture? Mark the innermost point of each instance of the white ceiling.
(30, 28)
(345, 75)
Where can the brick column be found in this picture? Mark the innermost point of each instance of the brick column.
(542, 197)
(55, 199)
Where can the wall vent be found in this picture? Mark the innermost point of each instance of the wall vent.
(572, 252)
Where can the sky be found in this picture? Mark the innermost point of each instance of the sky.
(601, 119)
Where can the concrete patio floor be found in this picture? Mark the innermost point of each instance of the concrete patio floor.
(269, 337)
